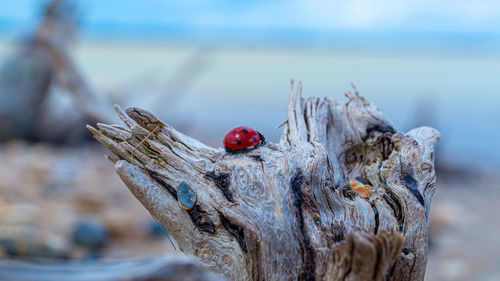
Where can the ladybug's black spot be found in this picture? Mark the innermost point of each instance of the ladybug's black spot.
(245, 131)
(254, 139)
(238, 141)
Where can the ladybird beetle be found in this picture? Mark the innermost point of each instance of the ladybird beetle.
(242, 138)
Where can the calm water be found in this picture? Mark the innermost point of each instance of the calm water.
(455, 92)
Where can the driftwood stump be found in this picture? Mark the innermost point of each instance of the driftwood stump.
(342, 195)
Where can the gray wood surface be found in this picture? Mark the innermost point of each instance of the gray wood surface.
(286, 210)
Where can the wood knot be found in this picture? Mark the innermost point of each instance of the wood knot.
(226, 260)
(206, 253)
(347, 192)
(257, 188)
(247, 184)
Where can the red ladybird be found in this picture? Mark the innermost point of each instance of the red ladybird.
(242, 138)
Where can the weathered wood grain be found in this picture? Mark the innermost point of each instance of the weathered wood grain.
(286, 210)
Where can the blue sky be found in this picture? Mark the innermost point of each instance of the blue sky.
(467, 82)
(459, 22)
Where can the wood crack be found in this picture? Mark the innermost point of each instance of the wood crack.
(376, 217)
(412, 185)
(201, 219)
(395, 205)
(381, 128)
(222, 181)
(198, 216)
(234, 229)
(307, 250)
(162, 183)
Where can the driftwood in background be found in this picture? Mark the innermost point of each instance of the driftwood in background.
(287, 210)
(29, 77)
(156, 268)
(92, 104)
(43, 79)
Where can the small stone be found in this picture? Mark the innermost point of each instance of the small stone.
(56, 247)
(90, 233)
(9, 247)
(186, 196)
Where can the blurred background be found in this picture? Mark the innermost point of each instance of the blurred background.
(208, 66)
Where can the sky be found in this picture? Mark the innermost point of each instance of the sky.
(462, 81)
(459, 22)
(478, 15)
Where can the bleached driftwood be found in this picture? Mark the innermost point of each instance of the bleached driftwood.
(93, 105)
(28, 78)
(156, 268)
(286, 210)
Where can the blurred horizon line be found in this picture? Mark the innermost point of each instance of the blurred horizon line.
(460, 41)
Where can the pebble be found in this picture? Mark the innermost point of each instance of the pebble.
(90, 233)
(23, 240)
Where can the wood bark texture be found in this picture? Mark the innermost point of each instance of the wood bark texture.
(287, 210)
